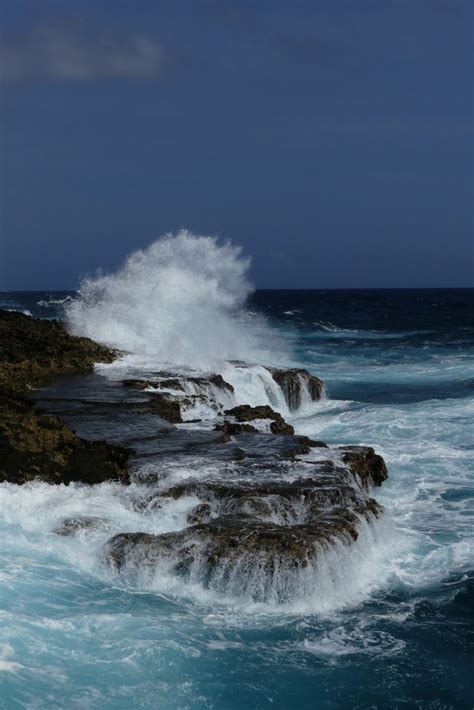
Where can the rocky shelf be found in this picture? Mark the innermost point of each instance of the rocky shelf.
(261, 501)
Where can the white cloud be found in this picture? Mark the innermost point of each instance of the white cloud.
(65, 55)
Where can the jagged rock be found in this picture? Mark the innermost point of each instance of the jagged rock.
(363, 461)
(33, 351)
(311, 443)
(248, 536)
(233, 428)
(246, 413)
(216, 380)
(71, 526)
(291, 383)
(178, 383)
(303, 496)
(237, 552)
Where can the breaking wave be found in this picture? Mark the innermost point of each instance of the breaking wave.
(181, 300)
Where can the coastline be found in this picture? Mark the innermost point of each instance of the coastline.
(256, 522)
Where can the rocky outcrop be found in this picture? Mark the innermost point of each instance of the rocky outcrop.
(234, 428)
(34, 351)
(295, 384)
(363, 461)
(246, 535)
(36, 445)
(271, 504)
(166, 408)
(246, 413)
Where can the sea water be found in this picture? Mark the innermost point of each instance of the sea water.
(389, 621)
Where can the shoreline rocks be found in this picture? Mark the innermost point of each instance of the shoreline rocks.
(36, 445)
(293, 382)
(260, 503)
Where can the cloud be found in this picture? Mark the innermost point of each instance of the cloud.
(58, 54)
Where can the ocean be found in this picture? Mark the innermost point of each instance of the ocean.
(387, 625)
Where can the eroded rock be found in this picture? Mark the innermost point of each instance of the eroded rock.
(246, 413)
(293, 382)
(363, 461)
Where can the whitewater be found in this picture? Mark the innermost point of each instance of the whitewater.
(386, 622)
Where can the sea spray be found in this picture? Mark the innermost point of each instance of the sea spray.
(180, 301)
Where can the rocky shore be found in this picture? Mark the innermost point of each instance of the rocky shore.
(33, 444)
(260, 501)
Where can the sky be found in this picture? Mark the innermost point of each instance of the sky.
(331, 139)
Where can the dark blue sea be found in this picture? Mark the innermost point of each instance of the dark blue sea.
(390, 628)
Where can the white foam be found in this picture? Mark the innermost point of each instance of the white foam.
(179, 301)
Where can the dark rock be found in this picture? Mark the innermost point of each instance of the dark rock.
(246, 413)
(166, 408)
(363, 461)
(291, 383)
(200, 514)
(35, 445)
(214, 380)
(311, 443)
(303, 495)
(33, 351)
(237, 553)
(137, 384)
(279, 426)
(233, 428)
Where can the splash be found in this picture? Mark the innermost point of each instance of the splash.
(180, 301)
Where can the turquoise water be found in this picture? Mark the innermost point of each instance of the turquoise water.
(397, 629)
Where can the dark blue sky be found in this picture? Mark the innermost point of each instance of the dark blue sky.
(333, 140)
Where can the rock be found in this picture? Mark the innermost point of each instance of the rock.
(311, 443)
(365, 463)
(299, 499)
(35, 445)
(137, 384)
(292, 383)
(234, 428)
(237, 554)
(200, 514)
(178, 383)
(166, 408)
(33, 351)
(214, 380)
(246, 413)
(71, 526)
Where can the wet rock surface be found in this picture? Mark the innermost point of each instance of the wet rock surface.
(246, 413)
(36, 445)
(253, 522)
(253, 501)
(293, 384)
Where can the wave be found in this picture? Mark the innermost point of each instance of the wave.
(330, 330)
(180, 301)
(51, 302)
